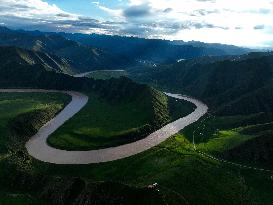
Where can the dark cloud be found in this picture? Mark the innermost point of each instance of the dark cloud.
(203, 12)
(189, 25)
(162, 28)
(20, 6)
(167, 10)
(58, 25)
(16, 7)
(259, 27)
(64, 15)
(137, 11)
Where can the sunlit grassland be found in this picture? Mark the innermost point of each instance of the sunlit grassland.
(103, 124)
(223, 140)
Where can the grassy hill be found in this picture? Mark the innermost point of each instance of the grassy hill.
(239, 93)
(258, 150)
(102, 124)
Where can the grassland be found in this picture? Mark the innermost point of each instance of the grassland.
(184, 177)
(235, 138)
(223, 140)
(102, 124)
(14, 107)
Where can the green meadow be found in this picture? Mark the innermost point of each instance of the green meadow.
(184, 177)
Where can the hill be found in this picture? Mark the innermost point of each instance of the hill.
(184, 176)
(81, 57)
(132, 110)
(27, 113)
(239, 93)
(227, 84)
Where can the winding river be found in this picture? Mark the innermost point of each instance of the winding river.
(38, 148)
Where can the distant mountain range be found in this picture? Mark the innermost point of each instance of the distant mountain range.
(231, 85)
(227, 82)
(82, 58)
(236, 85)
(155, 50)
(97, 52)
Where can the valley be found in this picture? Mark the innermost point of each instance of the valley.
(85, 122)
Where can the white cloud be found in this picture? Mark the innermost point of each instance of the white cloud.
(224, 17)
(220, 12)
(38, 14)
(113, 12)
(239, 22)
(33, 9)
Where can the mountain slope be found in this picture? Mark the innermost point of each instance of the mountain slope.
(22, 68)
(9, 55)
(220, 82)
(83, 58)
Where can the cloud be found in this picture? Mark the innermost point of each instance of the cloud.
(113, 12)
(64, 15)
(37, 14)
(204, 12)
(96, 2)
(224, 21)
(32, 9)
(167, 10)
(137, 11)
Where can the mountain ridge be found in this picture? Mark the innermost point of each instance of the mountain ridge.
(84, 58)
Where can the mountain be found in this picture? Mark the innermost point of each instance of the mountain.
(10, 55)
(154, 50)
(100, 52)
(17, 72)
(83, 58)
(231, 85)
(220, 81)
(239, 93)
(24, 68)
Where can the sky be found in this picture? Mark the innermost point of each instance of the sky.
(247, 23)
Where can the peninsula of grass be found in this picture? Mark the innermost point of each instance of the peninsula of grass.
(102, 124)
